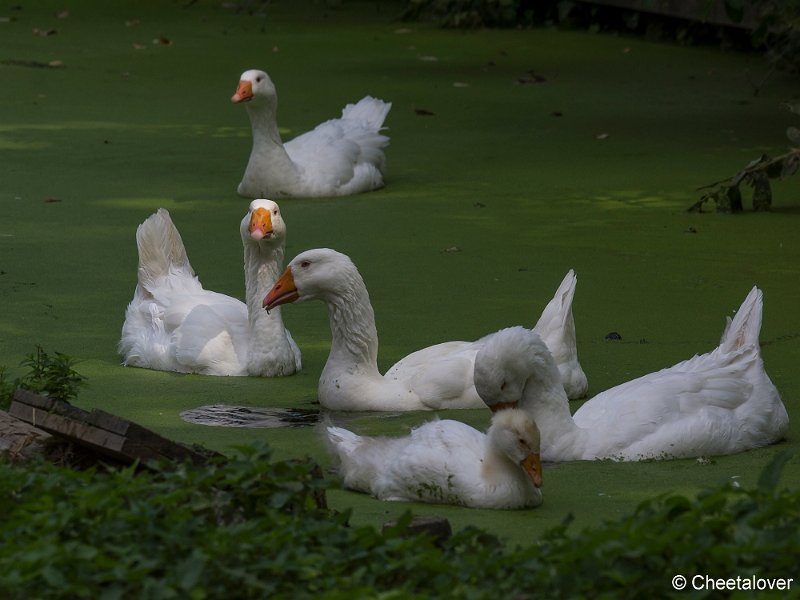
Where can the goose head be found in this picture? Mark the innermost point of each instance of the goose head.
(263, 223)
(255, 87)
(321, 273)
(505, 362)
(516, 435)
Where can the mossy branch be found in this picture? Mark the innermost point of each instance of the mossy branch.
(727, 195)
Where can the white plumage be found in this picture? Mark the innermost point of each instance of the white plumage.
(173, 324)
(447, 462)
(339, 157)
(721, 402)
(437, 377)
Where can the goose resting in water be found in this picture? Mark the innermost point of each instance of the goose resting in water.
(339, 157)
(173, 324)
(721, 402)
(437, 377)
(447, 462)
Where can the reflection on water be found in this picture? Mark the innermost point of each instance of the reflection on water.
(223, 415)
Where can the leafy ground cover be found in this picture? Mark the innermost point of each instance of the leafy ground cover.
(515, 155)
(251, 528)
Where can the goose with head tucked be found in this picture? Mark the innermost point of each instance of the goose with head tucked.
(721, 402)
(174, 324)
(339, 157)
(447, 462)
(438, 377)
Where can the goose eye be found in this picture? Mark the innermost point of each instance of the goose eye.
(275, 211)
(305, 264)
(258, 79)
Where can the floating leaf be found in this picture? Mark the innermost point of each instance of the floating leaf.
(35, 64)
(62, 14)
(601, 136)
(531, 77)
(460, 84)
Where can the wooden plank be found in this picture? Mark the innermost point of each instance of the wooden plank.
(20, 441)
(100, 431)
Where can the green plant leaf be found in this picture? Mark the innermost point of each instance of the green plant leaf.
(771, 475)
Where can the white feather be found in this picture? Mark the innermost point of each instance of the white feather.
(430, 379)
(339, 157)
(173, 324)
(444, 462)
(720, 402)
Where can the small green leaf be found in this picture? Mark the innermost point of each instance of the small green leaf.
(771, 475)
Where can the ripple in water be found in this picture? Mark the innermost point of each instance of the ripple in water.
(222, 415)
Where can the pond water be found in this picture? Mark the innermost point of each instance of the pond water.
(224, 415)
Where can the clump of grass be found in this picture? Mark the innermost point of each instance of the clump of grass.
(51, 376)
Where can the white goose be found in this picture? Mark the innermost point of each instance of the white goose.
(173, 324)
(721, 402)
(434, 378)
(339, 157)
(447, 462)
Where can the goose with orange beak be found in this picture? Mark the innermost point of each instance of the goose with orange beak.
(339, 157)
(174, 324)
(437, 377)
(447, 462)
(720, 402)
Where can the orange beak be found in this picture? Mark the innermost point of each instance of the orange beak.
(260, 224)
(501, 406)
(243, 93)
(283, 292)
(532, 466)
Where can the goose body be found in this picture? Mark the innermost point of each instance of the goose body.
(447, 462)
(721, 402)
(339, 157)
(174, 324)
(438, 377)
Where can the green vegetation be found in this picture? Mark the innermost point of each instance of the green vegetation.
(51, 376)
(770, 26)
(727, 194)
(252, 527)
(591, 168)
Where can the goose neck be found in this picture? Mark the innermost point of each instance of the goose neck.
(545, 400)
(353, 331)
